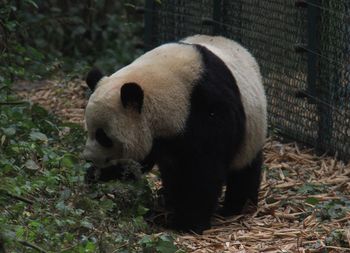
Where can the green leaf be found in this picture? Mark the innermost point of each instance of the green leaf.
(141, 210)
(147, 241)
(31, 2)
(166, 238)
(37, 136)
(30, 164)
(3, 139)
(90, 247)
(107, 204)
(20, 232)
(86, 224)
(9, 131)
(309, 188)
(67, 161)
(312, 201)
(61, 206)
(166, 244)
(65, 194)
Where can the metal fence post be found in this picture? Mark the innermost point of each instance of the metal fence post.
(313, 16)
(333, 41)
(317, 89)
(149, 24)
(217, 17)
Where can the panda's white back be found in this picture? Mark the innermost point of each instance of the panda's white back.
(167, 75)
(246, 71)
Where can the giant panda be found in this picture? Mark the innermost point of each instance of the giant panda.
(197, 109)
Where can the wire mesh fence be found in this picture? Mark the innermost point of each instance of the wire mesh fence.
(303, 48)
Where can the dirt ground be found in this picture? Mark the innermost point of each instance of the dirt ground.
(302, 195)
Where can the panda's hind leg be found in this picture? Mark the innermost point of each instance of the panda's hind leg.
(242, 187)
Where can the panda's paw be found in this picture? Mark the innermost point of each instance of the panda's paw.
(91, 175)
(227, 212)
(190, 226)
(163, 199)
(113, 172)
(231, 210)
(197, 229)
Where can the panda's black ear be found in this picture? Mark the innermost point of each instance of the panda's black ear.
(93, 77)
(131, 95)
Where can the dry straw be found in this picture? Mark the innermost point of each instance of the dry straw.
(296, 187)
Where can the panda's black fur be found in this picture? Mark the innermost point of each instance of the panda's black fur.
(195, 163)
(93, 77)
(186, 162)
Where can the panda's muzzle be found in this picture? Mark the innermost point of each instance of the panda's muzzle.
(94, 158)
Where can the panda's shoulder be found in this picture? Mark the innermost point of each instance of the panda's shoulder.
(170, 52)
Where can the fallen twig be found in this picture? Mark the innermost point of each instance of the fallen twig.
(32, 245)
(23, 199)
(14, 103)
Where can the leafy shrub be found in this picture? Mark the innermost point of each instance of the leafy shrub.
(45, 204)
(41, 36)
(161, 243)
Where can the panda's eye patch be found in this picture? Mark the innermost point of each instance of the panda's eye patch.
(102, 138)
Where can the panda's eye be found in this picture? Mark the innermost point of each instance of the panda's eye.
(102, 138)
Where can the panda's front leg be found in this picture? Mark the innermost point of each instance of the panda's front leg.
(192, 190)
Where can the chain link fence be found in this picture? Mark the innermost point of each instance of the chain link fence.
(303, 48)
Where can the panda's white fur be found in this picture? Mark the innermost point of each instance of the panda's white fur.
(197, 109)
(167, 75)
(247, 74)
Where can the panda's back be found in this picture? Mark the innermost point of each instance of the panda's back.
(169, 73)
(246, 72)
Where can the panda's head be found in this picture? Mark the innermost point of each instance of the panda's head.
(115, 121)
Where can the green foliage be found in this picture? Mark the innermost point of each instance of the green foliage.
(44, 202)
(311, 201)
(45, 206)
(39, 37)
(162, 243)
(337, 238)
(311, 189)
(333, 209)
